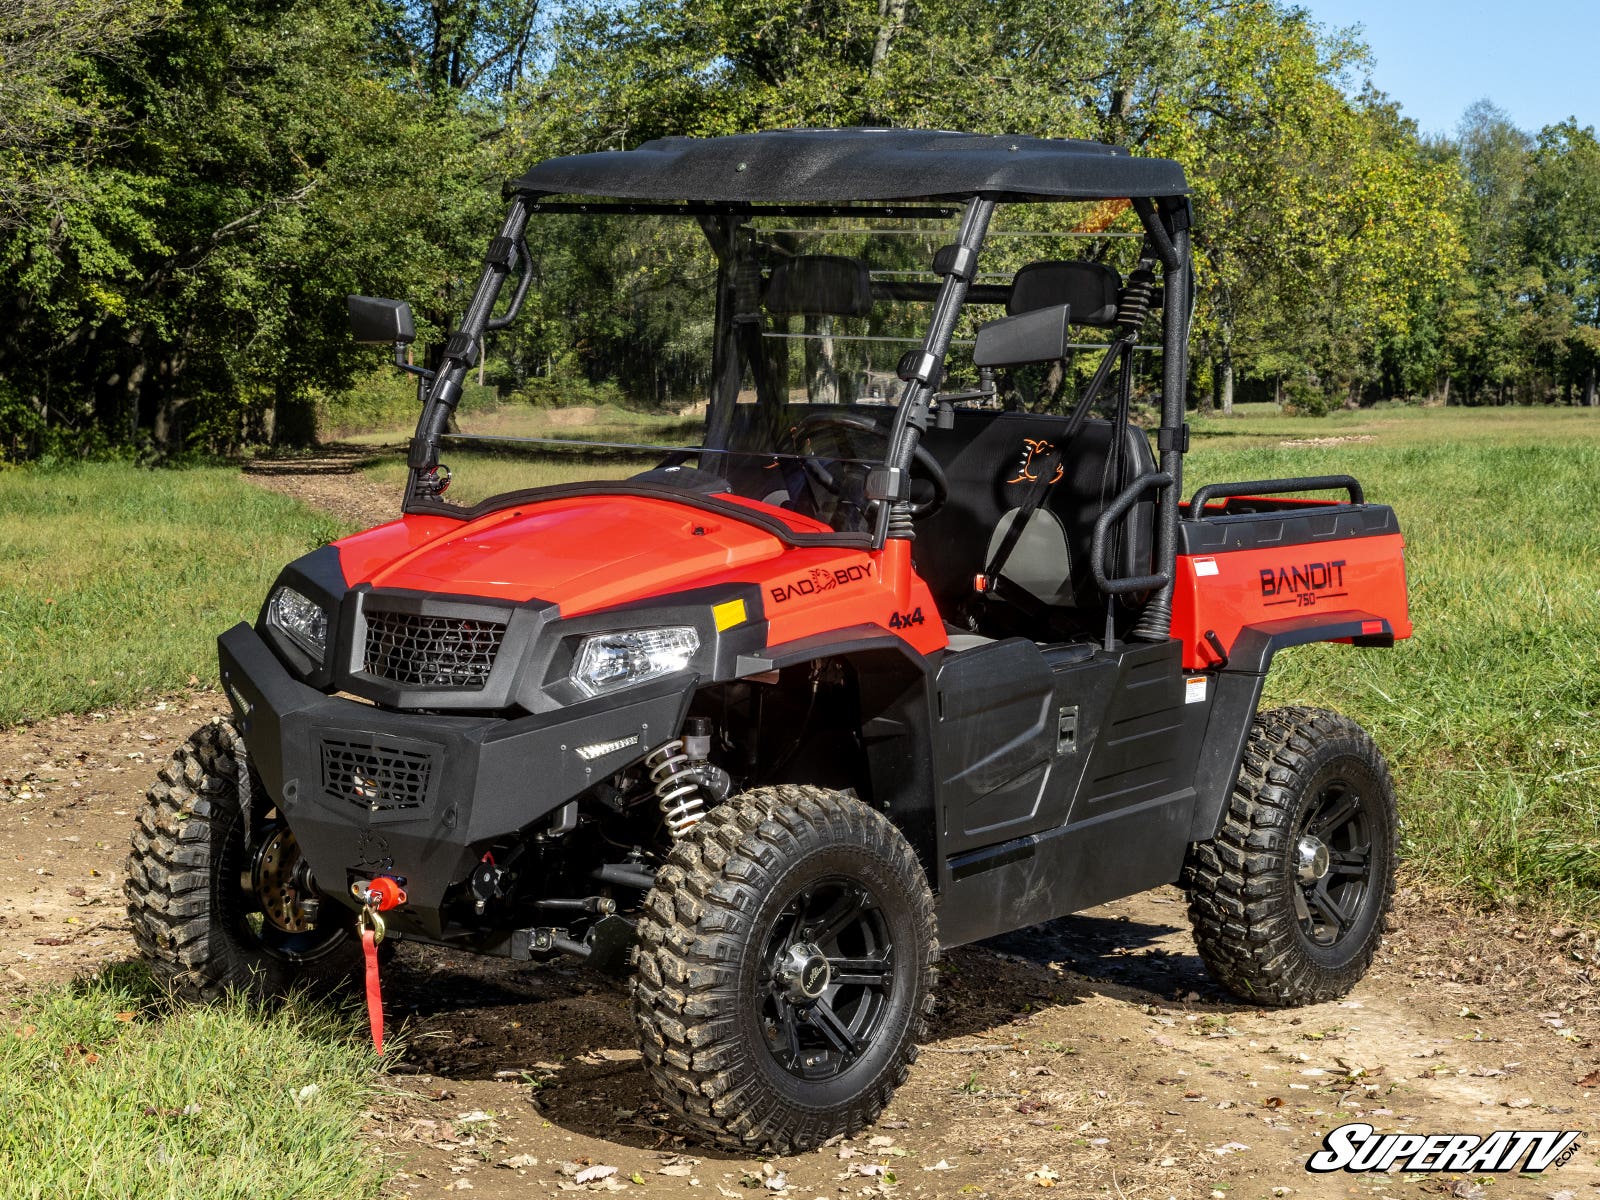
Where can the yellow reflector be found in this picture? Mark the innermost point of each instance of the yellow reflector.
(728, 615)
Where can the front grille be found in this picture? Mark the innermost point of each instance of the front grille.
(375, 777)
(432, 652)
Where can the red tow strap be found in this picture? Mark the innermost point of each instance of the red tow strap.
(376, 895)
(369, 948)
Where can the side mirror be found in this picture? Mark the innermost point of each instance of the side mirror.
(1038, 336)
(381, 322)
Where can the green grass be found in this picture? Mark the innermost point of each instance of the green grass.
(1490, 715)
(119, 579)
(110, 1092)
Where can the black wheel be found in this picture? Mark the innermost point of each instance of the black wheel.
(785, 969)
(210, 914)
(1289, 902)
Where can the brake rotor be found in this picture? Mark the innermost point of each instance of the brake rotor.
(278, 881)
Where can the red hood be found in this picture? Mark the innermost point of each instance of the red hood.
(583, 552)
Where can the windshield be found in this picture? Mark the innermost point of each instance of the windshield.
(752, 356)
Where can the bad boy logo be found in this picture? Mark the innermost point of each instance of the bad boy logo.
(821, 579)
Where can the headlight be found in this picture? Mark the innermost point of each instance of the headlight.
(608, 661)
(303, 621)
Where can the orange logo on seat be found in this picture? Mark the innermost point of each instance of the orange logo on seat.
(1033, 448)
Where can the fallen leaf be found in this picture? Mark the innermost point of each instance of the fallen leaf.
(679, 1170)
(941, 1165)
(1592, 1079)
(594, 1174)
(518, 1161)
(879, 1141)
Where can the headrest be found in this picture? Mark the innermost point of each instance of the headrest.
(1090, 288)
(819, 285)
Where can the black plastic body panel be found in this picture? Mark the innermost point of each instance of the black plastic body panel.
(1259, 524)
(486, 776)
(1238, 693)
(1116, 799)
(1007, 766)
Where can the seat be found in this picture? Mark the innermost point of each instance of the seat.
(990, 460)
(818, 285)
(1090, 288)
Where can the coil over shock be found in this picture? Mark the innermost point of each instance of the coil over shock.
(684, 779)
(1133, 302)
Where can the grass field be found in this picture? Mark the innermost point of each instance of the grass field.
(118, 579)
(110, 1092)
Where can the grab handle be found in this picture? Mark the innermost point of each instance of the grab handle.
(1276, 487)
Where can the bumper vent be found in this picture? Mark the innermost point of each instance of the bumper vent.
(432, 652)
(375, 777)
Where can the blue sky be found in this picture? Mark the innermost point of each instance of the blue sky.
(1539, 60)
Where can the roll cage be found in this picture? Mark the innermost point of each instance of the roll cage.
(729, 181)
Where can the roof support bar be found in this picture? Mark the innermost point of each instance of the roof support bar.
(460, 353)
(1172, 244)
(911, 418)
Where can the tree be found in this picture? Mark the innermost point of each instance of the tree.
(1563, 242)
(195, 292)
(46, 47)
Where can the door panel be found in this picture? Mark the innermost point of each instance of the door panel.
(996, 745)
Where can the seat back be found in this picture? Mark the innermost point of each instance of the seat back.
(990, 459)
(1090, 289)
(819, 285)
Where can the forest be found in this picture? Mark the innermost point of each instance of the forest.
(190, 188)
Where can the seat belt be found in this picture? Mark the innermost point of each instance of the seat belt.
(1047, 477)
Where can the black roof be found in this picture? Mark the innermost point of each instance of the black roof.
(835, 166)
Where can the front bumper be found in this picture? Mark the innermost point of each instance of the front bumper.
(371, 791)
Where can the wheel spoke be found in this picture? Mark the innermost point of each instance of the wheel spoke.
(789, 1033)
(1351, 862)
(1337, 814)
(827, 927)
(862, 972)
(1322, 900)
(822, 1018)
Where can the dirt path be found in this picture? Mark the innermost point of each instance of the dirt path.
(1091, 1056)
(331, 479)
(1094, 1049)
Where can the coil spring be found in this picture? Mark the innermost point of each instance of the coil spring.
(1133, 302)
(677, 787)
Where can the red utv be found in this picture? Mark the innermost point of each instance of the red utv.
(882, 660)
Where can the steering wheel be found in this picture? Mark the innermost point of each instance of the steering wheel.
(854, 422)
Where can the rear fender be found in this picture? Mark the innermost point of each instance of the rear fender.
(1238, 693)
